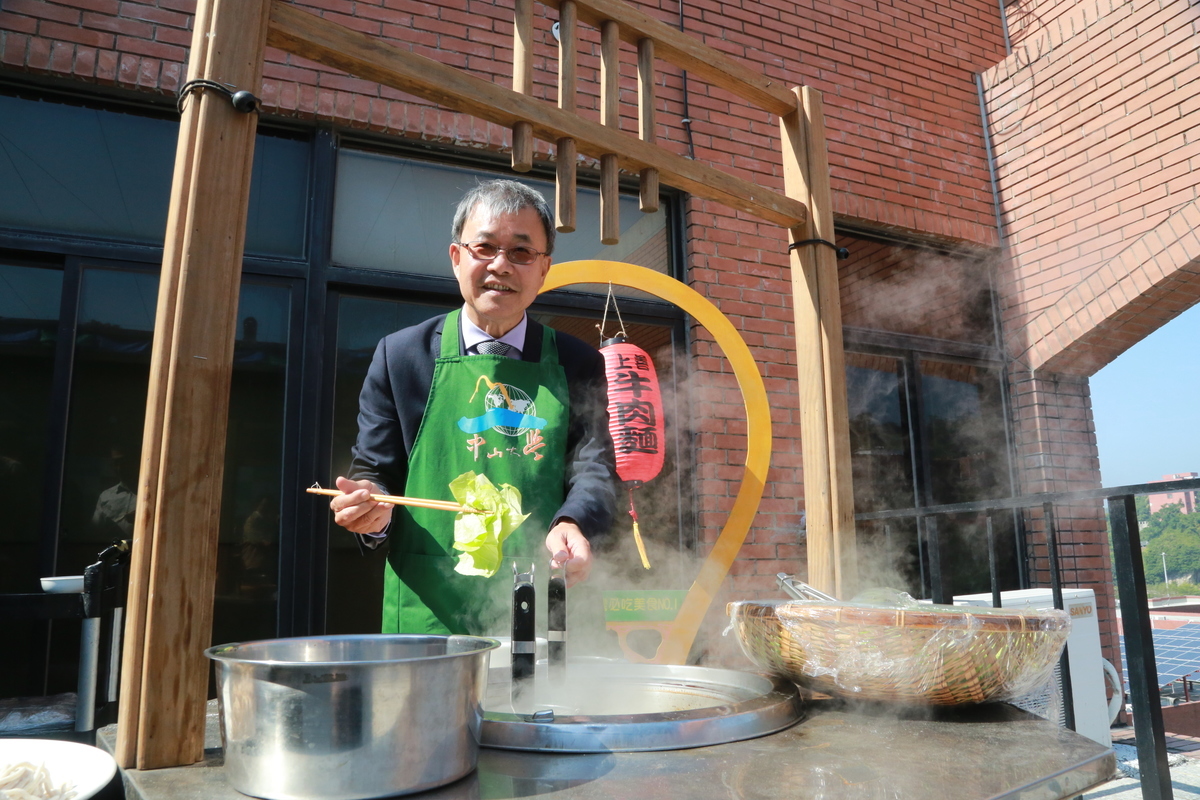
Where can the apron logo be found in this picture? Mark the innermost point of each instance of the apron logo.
(509, 411)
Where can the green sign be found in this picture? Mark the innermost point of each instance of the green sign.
(643, 605)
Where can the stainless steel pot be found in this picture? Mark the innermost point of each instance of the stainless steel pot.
(350, 717)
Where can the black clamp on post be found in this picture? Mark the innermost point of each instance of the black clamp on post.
(242, 101)
(842, 252)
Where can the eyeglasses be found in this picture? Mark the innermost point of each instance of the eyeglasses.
(486, 251)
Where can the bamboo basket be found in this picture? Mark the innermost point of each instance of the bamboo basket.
(927, 655)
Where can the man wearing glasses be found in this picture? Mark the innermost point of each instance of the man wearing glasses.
(489, 390)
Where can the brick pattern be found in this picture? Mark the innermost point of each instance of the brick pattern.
(1096, 161)
(136, 44)
(904, 139)
(1056, 452)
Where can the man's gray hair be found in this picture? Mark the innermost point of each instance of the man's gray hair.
(503, 197)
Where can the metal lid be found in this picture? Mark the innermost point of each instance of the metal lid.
(654, 707)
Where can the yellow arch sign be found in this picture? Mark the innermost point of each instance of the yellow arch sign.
(678, 642)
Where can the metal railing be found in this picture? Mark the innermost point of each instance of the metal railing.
(1141, 667)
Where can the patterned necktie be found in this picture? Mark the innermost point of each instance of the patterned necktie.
(493, 348)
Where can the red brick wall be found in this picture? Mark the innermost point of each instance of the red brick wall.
(1056, 452)
(905, 148)
(1092, 119)
(1183, 719)
(1091, 122)
(905, 136)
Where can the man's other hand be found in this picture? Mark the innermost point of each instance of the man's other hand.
(356, 511)
(568, 545)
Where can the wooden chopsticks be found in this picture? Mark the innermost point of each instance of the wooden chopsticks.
(419, 502)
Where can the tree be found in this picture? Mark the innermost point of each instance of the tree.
(1170, 531)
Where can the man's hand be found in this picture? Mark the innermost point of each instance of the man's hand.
(568, 545)
(356, 511)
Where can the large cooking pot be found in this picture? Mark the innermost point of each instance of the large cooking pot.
(350, 717)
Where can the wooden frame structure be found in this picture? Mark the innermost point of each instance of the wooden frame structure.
(170, 604)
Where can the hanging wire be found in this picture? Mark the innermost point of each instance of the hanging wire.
(610, 299)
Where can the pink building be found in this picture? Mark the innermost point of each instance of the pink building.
(1186, 499)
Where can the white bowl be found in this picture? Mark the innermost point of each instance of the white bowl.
(63, 584)
(88, 769)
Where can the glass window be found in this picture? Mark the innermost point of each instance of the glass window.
(881, 460)
(395, 214)
(881, 452)
(68, 169)
(902, 288)
(248, 553)
(107, 413)
(355, 594)
(964, 420)
(29, 308)
(968, 460)
(277, 217)
(108, 399)
(89, 172)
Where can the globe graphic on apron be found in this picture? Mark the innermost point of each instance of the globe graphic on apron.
(520, 403)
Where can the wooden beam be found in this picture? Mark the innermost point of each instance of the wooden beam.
(689, 53)
(142, 554)
(565, 153)
(165, 684)
(336, 46)
(833, 356)
(648, 189)
(610, 117)
(565, 156)
(820, 360)
(522, 141)
(806, 310)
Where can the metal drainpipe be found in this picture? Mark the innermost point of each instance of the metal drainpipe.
(1004, 27)
(687, 111)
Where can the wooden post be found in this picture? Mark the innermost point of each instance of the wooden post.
(648, 193)
(522, 143)
(165, 674)
(610, 82)
(566, 152)
(833, 356)
(820, 362)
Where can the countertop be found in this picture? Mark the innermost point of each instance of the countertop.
(838, 751)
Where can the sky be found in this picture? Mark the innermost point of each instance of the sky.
(1146, 405)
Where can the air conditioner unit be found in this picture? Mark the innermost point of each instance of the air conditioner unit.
(1093, 711)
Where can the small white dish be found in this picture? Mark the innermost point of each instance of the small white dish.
(63, 584)
(88, 769)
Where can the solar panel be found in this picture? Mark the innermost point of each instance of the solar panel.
(1176, 653)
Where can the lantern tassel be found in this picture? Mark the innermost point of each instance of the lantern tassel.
(637, 533)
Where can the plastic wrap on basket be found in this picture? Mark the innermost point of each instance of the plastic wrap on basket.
(927, 654)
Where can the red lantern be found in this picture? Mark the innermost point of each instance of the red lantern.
(635, 419)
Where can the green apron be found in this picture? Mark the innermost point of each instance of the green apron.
(463, 430)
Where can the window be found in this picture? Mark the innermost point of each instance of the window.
(343, 246)
(394, 214)
(925, 386)
(95, 173)
(29, 303)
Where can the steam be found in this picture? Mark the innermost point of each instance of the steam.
(888, 287)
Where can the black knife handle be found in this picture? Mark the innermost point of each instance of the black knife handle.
(556, 619)
(524, 638)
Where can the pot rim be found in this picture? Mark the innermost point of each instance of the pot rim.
(219, 652)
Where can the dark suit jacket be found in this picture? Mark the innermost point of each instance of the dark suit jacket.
(392, 404)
